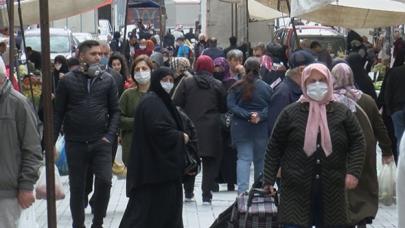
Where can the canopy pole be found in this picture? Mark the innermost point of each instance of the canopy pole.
(25, 51)
(48, 112)
(10, 6)
(297, 42)
(125, 42)
(247, 22)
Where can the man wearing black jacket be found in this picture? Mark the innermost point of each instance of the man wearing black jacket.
(87, 104)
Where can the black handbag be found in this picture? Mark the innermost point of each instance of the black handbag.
(191, 164)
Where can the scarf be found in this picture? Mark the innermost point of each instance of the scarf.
(345, 91)
(223, 63)
(317, 118)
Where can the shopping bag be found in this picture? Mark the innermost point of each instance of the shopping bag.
(386, 182)
(28, 219)
(61, 160)
(40, 188)
(118, 168)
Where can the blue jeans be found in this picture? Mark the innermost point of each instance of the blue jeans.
(398, 119)
(248, 152)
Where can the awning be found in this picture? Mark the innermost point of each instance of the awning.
(281, 5)
(58, 9)
(143, 4)
(260, 12)
(350, 13)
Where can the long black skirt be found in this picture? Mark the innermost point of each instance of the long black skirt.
(227, 170)
(155, 206)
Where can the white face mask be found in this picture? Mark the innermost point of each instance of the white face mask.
(142, 77)
(58, 66)
(167, 86)
(317, 90)
(142, 47)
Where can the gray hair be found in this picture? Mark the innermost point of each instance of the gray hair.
(235, 54)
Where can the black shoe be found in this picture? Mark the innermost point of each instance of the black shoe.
(189, 197)
(231, 187)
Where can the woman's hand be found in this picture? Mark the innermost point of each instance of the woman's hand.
(351, 182)
(254, 118)
(269, 189)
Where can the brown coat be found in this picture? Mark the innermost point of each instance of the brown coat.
(285, 150)
(364, 199)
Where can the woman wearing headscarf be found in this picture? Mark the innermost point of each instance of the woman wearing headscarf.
(141, 73)
(61, 68)
(222, 72)
(227, 171)
(363, 200)
(156, 162)
(361, 79)
(181, 67)
(202, 98)
(320, 148)
(249, 100)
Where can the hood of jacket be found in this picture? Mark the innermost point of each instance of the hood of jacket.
(5, 89)
(204, 80)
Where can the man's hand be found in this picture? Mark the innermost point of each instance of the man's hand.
(186, 138)
(106, 140)
(25, 199)
(351, 182)
(387, 159)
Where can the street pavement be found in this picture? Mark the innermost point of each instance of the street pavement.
(195, 215)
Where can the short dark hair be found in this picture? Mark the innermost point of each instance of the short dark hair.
(88, 44)
(3, 44)
(233, 40)
(212, 42)
(28, 49)
(315, 44)
(73, 62)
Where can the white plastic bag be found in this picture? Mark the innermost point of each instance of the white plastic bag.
(28, 219)
(386, 181)
(40, 188)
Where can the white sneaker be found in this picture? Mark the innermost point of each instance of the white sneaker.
(189, 200)
(206, 203)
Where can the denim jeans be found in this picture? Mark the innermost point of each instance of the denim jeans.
(398, 119)
(80, 156)
(248, 152)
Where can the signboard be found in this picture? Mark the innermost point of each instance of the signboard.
(149, 16)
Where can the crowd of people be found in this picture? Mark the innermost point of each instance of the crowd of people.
(308, 122)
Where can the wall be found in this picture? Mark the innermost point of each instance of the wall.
(85, 22)
(182, 14)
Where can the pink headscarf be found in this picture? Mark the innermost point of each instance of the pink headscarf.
(317, 118)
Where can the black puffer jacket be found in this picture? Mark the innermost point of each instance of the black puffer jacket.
(86, 115)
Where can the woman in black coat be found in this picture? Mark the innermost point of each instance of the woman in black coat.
(361, 79)
(156, 162)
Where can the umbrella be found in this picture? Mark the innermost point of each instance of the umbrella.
(280, 5)
(350, 13)
(260, 12)
(57, 9)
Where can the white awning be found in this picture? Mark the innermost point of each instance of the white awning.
(274, 4)
(58, 9)
(350, 13)
(260, 12)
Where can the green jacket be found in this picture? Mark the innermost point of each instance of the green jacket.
(20, 143)
(285, 150)
(364, 199)
(128, 103)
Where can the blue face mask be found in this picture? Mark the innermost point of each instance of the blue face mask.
(104, 61)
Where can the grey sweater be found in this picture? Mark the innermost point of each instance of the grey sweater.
(20, 144)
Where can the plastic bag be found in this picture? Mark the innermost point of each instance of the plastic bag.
(386, 182)
(28, 219)
(119, 169)
(61, 160)
(40, 188)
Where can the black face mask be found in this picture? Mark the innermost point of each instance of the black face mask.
(219, 75)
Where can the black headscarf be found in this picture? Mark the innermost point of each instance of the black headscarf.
(156, 87)
(361, 78)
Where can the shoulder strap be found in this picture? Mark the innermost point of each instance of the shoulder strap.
(365, 114)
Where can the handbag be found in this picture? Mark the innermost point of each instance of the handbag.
(191, 164)
(255, 209)
(226, 119)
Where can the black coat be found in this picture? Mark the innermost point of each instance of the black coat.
(394, 92)
(86, 115)
(202, 98)
(157, 152)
